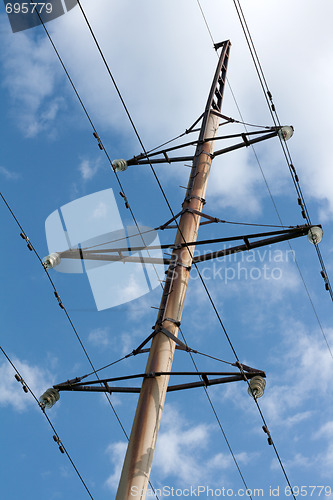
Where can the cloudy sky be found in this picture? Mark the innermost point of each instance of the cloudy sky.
(162, 59)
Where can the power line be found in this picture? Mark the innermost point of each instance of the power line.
(62, 306)
(56, 437)
(220, 321)
(276, 121)
(292, 170)
(217, 417)
(162, 190)
(32, 248)
(152, 169)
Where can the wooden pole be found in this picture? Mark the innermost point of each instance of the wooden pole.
(138, 461)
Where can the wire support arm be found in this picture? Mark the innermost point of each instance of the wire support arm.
(142, 160)
(281, 236)
(103, 384)
(273, 237)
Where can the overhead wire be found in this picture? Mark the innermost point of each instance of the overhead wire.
(145, 153)
(129, 116)
(127, 205)
(95, 372)
(289, 161)
(63, 449)
(221, 323)
(62, 306)
(169, 206)
(276, 121)
(138, 137)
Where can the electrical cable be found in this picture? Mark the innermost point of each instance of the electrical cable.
(32, 248)
(90, 120)
(25, 385)
(288, 158)
(159, 184)
(221, 323)
(146, 154)
(134, 127)
(276, 121)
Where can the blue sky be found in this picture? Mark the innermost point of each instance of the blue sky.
(162, 59)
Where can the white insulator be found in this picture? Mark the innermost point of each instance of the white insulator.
(52, 260)
(286, 132)
(119, 165)
(49, 398)
(315, 235)
(257, 387)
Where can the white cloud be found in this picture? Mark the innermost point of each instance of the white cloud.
(8, 174)
(30, 79)
(176, 457)
(89, 169)
(116, 452)
(99, 337)
(166, 76)
(11, 392)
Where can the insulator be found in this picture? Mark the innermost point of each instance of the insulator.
(286, 132)
(49, 398)
(257, 386)
(119, 165)
(52, 260)
(315, 235)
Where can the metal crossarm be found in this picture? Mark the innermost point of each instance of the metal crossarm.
(281, 236)
(142, 160)
(270, 237)
(102, 385)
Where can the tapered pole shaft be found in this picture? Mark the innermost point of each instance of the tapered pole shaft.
(138, 461)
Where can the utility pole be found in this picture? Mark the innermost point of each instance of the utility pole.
(138, 461)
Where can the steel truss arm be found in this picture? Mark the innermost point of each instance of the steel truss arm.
(286, 235)
(142, 160)
(103, 385)
(269, 238)
(136, 159)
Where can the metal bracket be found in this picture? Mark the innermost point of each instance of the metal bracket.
(177, 323)
(193, 196)
(166, 332)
